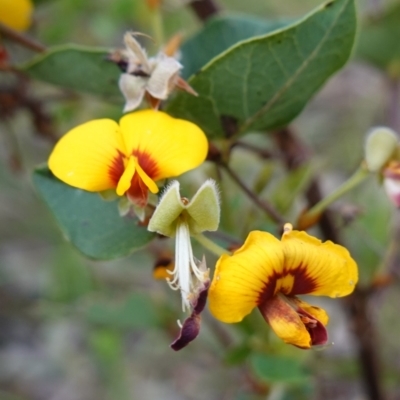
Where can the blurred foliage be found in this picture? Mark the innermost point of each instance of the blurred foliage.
(378, 42)
(77, 329)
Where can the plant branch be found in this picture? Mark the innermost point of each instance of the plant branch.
(264, 205)
(204, 9)
(23, 40)
(263, 153)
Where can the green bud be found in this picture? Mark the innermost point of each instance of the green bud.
(202, 213)
(380, 145)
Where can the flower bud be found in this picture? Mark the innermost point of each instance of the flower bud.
(202, 213)
(391, 182)
(380, 144)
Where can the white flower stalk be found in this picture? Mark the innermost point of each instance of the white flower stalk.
(179, 218)
(189, 274)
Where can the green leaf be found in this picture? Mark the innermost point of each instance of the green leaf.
(79, 68)
(274, 369)
(136, 312)
(379, 39)
(89, 223)
(264, 82)
(220, 33)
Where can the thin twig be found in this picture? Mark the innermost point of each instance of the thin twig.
(263, 153)
(264, 205)
(22, 39)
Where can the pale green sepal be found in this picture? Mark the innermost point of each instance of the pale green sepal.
(109, 195)
(168, 210)
(140, 212)
(204, 209)
(380, 145)
(124, 206)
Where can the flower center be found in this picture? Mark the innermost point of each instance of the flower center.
(133, 176)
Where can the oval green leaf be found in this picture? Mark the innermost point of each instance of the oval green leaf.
(91, 224)
(84, 69)
(218, 34)
(264, 82)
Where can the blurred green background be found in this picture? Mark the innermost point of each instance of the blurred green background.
(76, 329)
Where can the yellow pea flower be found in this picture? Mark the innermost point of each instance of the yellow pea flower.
(16, 14)
(269, 273)
(145, 147)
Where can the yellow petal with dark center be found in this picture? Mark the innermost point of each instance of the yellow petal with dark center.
(84, 157)
(16, 14)
(285, 322)
(240, 280)
(175, 145)
(321, 269)
(124, 182)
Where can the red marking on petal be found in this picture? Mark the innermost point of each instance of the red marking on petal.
(317, 331)
(116, 169)
(303, 283)
(138, 192)
(148, 164)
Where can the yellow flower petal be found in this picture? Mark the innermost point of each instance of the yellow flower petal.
(241, 281)
(285, 322)
(165, 146)
(125, 181)
(16, 14)
(320, 269)
(89, 156)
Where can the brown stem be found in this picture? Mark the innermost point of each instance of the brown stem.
(359, 311)
(263, 153)
(23, 40)
(204, 9)
(295, 154)
(265, 206)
